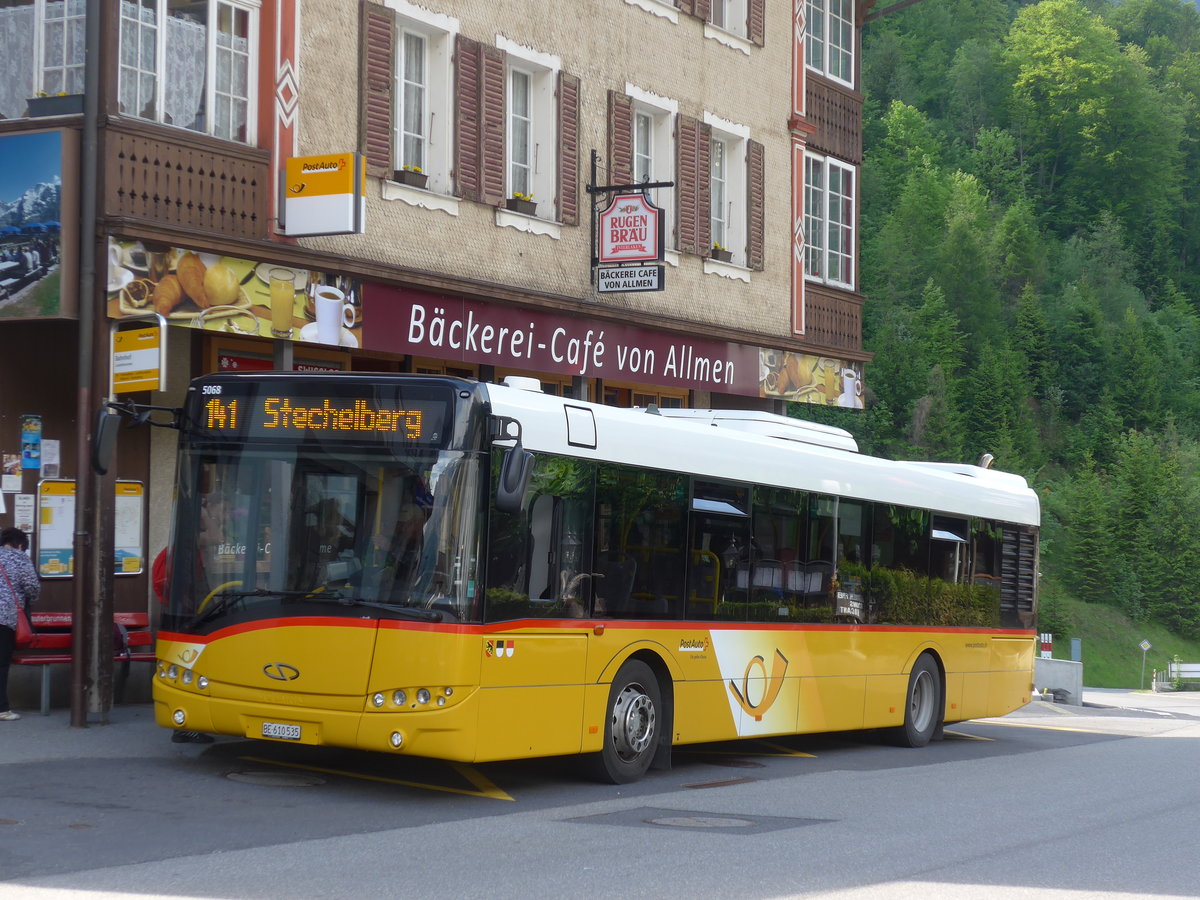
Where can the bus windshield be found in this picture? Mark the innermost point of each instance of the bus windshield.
(278, 531)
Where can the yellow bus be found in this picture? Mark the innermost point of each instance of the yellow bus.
(437, 567)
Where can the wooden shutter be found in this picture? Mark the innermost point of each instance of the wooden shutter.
(378, 78)
(686, 6)
(756, 22)
(468, 63)
(479, 121)
(756, 204)
(693, 148)
(620, 139)
(702, 9)
(492, 155)
(568, 148)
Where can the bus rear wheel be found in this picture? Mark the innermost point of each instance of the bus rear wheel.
(631, 726)
(923, 705)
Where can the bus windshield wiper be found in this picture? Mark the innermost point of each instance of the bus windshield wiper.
(404, 612)
(223, 602)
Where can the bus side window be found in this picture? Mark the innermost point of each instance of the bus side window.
(537, 560)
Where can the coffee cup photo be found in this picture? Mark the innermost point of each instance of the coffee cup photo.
(332, 313)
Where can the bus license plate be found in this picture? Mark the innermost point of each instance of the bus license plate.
(281, 731)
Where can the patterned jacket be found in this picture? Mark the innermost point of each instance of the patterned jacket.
(24, 580)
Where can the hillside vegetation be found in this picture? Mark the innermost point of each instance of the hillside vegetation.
(1111, 643)
(1030, 237)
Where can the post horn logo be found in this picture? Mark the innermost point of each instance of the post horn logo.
(773, 685)
(281, 671)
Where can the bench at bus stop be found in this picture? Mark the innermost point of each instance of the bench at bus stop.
(52, 645)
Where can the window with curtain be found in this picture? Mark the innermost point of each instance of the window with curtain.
(41, 50)
(188, 63)
(412, 101)
(520, 132)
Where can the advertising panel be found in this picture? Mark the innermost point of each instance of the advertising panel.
(37, 241)
(231, 295)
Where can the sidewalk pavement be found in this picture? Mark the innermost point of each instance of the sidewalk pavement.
(1181, 703)
(130, 732)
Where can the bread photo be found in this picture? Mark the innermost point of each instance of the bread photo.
(168, 294)
(190, 270)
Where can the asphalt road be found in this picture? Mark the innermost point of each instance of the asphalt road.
(1053, 801)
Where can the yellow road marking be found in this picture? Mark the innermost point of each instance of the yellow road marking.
(785, 751)
(961, 736)
(485, 788)
(1041, 727)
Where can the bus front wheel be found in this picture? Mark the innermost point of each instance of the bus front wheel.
(631, 726)
(923, 704)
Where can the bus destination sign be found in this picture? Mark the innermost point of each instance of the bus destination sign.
(267, 414)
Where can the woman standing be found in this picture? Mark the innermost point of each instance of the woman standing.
(18, 584)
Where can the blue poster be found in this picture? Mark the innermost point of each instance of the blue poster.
(31, 442)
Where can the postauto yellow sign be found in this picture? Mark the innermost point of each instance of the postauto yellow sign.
(324, 194)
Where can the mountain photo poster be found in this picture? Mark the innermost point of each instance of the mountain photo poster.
(32, 282)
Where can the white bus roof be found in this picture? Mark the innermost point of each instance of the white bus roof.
(757, 447)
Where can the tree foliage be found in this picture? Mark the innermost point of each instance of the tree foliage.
(1031, 268)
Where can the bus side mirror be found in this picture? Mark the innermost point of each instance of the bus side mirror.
(104, 439)
(514, 479)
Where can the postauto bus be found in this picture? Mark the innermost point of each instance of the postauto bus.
(432, 566)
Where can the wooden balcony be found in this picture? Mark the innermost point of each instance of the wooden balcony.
(836, 113)
(832, 318)
(170, 176)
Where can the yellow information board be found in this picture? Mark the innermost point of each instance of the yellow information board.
(137, 360)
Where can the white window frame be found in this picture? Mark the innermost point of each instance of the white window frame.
(439, 32)
(542, 160)
(252, 8)
(733, 138)
(69, 67)
(661, 112)
(26, 72)
(419, 80)
(829, 39)
(137, 70)
(730, 16)
(830, 218)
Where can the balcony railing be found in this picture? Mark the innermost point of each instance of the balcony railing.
(174, 177)
(832, 319)
(836, 112)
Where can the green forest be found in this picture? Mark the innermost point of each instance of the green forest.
(1030, 238)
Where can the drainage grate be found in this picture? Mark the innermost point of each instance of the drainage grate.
(696, 820)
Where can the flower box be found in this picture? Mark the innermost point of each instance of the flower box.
(524, 207)
(64, 105)
(720, 255)
(409, 177)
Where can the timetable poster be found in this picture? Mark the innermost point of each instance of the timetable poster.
(127, 528)
(56, 528)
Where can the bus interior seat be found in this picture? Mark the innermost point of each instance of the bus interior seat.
(614, 587)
